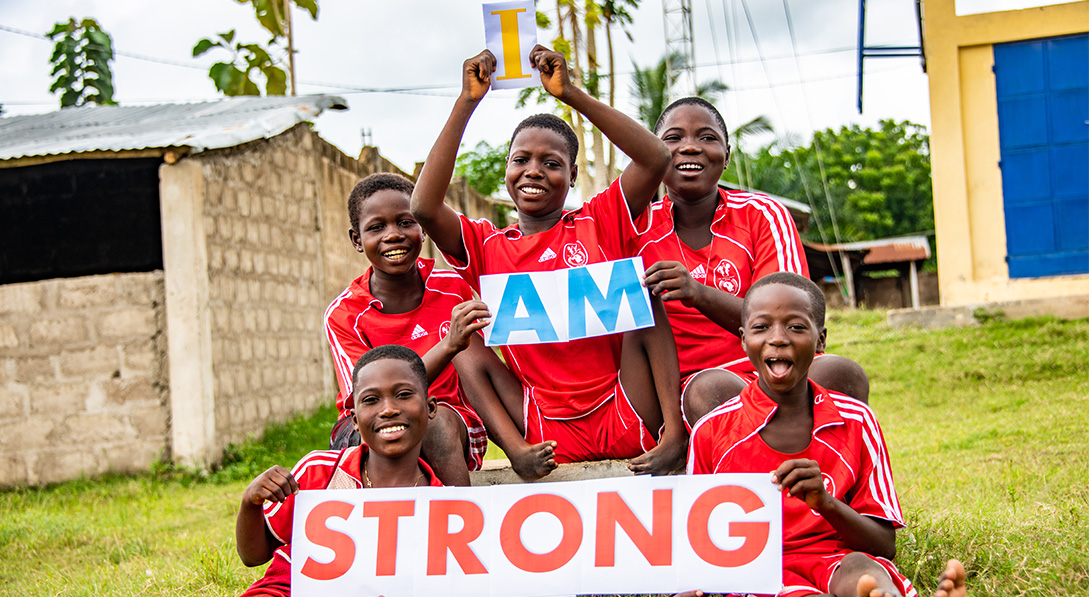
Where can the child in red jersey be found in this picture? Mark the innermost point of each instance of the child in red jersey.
(826, 451)
(392, 413)
(402, 299)
(706, 246)
(592, 398)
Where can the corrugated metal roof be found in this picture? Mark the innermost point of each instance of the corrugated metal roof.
(884, 250)
(200, 126)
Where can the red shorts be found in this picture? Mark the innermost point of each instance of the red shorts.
(811, 574)
(277, 579)
(344, 435)
(612, 430)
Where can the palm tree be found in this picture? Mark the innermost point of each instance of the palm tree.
(652, 87)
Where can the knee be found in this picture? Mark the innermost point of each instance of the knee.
(443, 434)
(707, 390)
(842, 375)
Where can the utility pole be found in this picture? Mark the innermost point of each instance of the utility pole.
(678, 37)
(290, 44)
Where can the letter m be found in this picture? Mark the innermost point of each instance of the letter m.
(623, 283)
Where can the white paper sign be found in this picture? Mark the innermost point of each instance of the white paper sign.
(510, 29)
(717, 533)
(566, 304)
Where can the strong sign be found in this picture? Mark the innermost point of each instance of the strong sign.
(632, 535)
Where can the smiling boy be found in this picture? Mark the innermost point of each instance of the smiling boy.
(825, 450)
(391, 411)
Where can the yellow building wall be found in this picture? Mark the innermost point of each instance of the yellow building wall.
(968, 208)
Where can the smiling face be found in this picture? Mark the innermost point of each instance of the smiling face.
(392, 408)
(780, 336)
(699, 152)
(539, 172)
(387, 232)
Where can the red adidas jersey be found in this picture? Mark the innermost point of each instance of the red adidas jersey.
(752, 236)
(323, 469)
(570, 380)
(354, 325)
(847, 444)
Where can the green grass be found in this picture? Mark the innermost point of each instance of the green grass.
(987, 427)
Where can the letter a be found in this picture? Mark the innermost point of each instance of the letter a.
(512, 48)
(520, 290)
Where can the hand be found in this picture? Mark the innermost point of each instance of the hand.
(802, 479)
(672, 281)
(273, 485)
(553, 68)
(476, 76)
(466, 319)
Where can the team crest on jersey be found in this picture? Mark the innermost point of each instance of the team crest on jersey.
(418, 332)
(700, 273)
(444, 329)
(727, 278)
(547, 255)
(575, 255)
(829, 484)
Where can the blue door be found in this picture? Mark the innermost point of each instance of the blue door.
(1043, 128)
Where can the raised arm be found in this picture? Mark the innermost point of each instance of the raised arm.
(439, 220)
(649, 156)
(466, 319)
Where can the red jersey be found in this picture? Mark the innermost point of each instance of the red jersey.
(752, 236)
(354, 325)
(570, 380)
(321, 469)
(847, 444)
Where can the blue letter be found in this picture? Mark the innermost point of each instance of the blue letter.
(623, 280)
(519, 289)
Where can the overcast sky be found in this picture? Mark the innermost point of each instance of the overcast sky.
(800, 84)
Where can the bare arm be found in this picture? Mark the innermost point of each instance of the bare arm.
(650, 157)
(860, 533)
(439, 220)
(466, 319)
(670, 453)
(672, 281)
(255, 542)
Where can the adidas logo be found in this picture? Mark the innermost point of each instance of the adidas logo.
(419, 332)
(700, 272)
(548, 254)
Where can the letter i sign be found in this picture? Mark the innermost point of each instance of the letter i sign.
(511, 32)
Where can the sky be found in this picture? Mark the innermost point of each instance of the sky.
(801, 80)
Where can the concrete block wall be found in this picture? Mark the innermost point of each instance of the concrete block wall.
(82, 377)
(262, 229)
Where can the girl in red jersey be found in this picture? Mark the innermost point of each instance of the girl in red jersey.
(707, 245)
(594, 398)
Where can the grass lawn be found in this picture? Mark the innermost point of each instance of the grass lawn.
(988, 429)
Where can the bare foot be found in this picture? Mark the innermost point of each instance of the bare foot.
(535, 461)
(952, 582)
(867, 587)
(667, 458)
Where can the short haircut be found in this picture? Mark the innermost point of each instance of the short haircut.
(370, 185)
(392, 351)
(702, 103)
(816, 296)
(554, 124)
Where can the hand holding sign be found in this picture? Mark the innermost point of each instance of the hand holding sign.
(555, 76)
(476, 75)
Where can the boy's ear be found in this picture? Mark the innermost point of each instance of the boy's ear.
(432, 407)
(574, 175)
(356, 241)
(821, 339)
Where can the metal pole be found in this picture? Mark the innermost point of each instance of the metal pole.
(290, 44)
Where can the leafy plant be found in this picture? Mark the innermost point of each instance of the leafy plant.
(252, 62)
(81, 63)
(484, 168)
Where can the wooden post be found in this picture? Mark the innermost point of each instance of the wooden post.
(913, 274)
(849, 279)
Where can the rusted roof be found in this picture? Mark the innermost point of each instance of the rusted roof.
(900, 249)
(198, 126)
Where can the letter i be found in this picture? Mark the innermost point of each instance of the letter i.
(512, 49)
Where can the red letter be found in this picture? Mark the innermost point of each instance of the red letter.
(656, 546)
(511, 530)
(387, 514)
(342, 545)
(439, 538)
(755, 533)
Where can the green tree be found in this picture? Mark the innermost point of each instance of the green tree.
(251, 62)
(651, 87)
(862, 183)
(81, 63)
(484, 168)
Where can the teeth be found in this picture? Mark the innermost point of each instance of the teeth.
(392, 430)
(690, 167)
(532, 190)
(395, 254)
